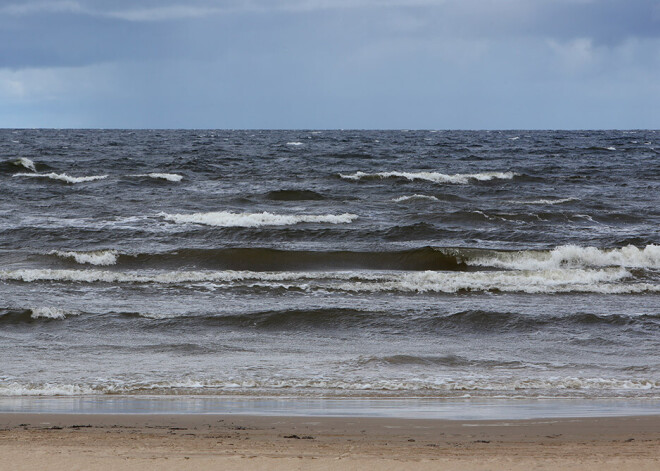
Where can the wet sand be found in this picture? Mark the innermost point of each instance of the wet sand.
(247, 442)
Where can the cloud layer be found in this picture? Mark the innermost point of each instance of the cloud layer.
(331, 63)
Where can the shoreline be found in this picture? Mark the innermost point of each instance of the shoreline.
(250, 442)
(455, 408)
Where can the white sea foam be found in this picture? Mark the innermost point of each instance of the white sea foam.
(605, 281)
(62, 177)
(47, 312)
(296, 143)
(573, 256)
(435, 177)
(414, 197)
(544, 201)
(25, 162)
(229, 219)
(611, 148)
(172, 177)
(98, 257)
(560, 385)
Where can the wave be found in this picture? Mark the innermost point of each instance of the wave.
(459, 178)
(99, 257)
(25, 162)
(62, 177)
(42, 312)
(571, 256)
(229, 219)
(604, 281)
(544, 201)
(264, 259)
(414, 197)
(294, 195)
(172, 177)
(440, 386)
(294, 143)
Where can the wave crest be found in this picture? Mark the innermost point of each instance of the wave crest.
(229, 219)
(99, 257)
(435, 177)
(62, 177)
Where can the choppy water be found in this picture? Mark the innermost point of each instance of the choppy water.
(330, 263)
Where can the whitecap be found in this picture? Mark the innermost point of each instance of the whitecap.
(571, 256)
(98, 257)
(295, 143)
(229, 219)
(414, 197)
(172, 177)
(62, 177)
(544, 201)
(47, 312)
(25, 162)
(435, 177)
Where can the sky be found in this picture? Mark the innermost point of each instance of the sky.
(330, 64)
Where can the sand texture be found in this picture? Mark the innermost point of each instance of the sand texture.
(237, 442)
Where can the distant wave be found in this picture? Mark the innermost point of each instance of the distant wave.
(99, 257)
(172, 177)
(295, 143)
(459, 178)
(229, 219)
(544, 201)
(62, 177)
(414, 197)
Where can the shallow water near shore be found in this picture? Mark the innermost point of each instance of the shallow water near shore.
(410, 408)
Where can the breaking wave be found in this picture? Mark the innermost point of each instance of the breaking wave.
(444, 385)
(99, 257)
(572, 256)
(229, 219)
(605, 281)
(459, 178)
(25, 162)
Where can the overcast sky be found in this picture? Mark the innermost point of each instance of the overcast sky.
(428, 64)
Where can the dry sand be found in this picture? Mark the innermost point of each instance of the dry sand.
(241, 442)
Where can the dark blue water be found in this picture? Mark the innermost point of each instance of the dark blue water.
(330, 263)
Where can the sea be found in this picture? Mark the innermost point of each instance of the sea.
(453, 265)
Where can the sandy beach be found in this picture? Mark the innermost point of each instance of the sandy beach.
(164, 442)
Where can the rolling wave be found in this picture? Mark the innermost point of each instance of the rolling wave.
(265, 259)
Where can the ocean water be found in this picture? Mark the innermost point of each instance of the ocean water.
(330, 264)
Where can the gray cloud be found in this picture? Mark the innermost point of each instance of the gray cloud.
(331, 63)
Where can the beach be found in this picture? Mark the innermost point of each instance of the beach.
(250, 442)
